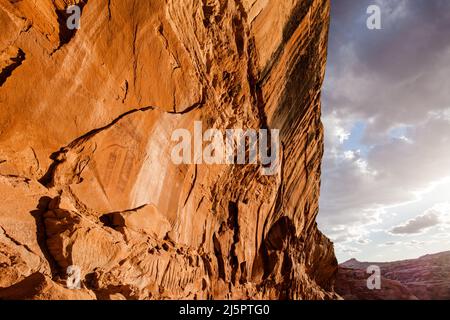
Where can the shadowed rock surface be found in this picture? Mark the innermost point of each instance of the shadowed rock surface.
(425, 278)
(86, 175)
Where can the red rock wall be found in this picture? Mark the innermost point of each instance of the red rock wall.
(85, 140)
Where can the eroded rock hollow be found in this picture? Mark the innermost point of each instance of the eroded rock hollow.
(86, 177)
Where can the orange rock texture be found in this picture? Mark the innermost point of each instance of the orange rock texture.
(86, 177)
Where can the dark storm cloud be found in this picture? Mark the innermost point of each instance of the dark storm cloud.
(399, 70)
(413, 32)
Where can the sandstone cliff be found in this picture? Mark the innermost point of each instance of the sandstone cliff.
(425, 278)
(86, 176)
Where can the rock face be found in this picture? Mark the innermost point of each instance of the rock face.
(86, 174)
(425, 278)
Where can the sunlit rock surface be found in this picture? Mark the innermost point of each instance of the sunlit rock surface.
(85, 140)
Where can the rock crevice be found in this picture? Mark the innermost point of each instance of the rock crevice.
(136, 224)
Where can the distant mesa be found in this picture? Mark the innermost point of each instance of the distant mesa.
(425, 278)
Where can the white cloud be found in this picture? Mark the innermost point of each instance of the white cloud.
(417, 225)
(403, 90)
(349, 155)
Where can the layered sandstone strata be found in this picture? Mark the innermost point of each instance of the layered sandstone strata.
(86, 175)
(425, 278)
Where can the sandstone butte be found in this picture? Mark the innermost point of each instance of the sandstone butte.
(85, 135)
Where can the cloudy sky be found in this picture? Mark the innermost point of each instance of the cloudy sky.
(386, 109)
